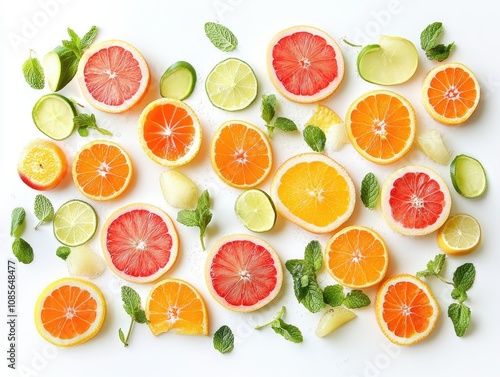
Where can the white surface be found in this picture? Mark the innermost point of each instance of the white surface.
(169, 31)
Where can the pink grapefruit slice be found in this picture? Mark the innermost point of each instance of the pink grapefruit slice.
(139, 242)
(415, 200)
(243, 273)
(113, 76)
(305, 64)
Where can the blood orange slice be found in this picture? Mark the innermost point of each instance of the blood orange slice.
(243, 273)
(305, 64)
(415, 200)
(139, 242)
(113, 76)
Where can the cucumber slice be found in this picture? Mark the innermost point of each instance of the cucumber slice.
(178, 81)
(53, 115)
(60, 66)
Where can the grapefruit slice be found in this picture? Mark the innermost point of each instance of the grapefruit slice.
(113, 76)
(243, 273)
(139, 242)
(415, 200)
(305, 64)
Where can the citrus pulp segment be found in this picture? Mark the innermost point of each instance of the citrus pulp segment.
(231, 85)
(113, 76)
(381, 126)
(460, 235)
(175, 305)
(313, 191)
(406, 309)
(243, 273)
(69, 312)
(415, 200)
(169, 132)
(241, 154)
(256, 211)
(178, 81)
(74, 223)
(53, 115)
(468, 176)
(102, 170)
(178, 189)
(333, 319)
(357, 257)
(139, 242)
(433, 146)
(305, 64)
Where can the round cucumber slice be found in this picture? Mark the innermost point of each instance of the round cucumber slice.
(178, 81)
(468, 176)
(53, 115)
(256, 210)
(60, 66)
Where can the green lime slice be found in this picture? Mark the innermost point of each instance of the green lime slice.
(75, 223)
(231, 85)
(468, 176)
(256, 210)
(178, 81)
(393, 61)
(53, 115)
(60, 66)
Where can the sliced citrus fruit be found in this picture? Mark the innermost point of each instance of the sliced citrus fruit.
(74, 223)
(451, 93)
(102, 170)
(139, 242)
(313, 191)
(415, 200)
(53, 115)
(169, 132)
(42, 165)
(256, 210)
(333, 319)
(381, 126)
(243, 273)
(69, 312)
(331, 124)
(231, 85)
(84, 262)
(113, 76)
(241, 154)
(305, 64)
(178, 190)
(460, 235)
(433, 146)
(178, 81)
(406, 309)
(175, 305)
(468, 176)
(357, 257)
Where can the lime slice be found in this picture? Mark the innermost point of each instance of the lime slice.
(460, 235)
(393, 61)
(432, 144)
(60, 66)
(178, 81)
(256, 210)
(468, 176)
(53, 115)
(231, 85)
(75, 223)
(333, 319)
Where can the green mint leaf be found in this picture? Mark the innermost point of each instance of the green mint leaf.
(300, 271)
(84, 122)
(140, 316)
(200, 217)
(369, 190)
(315, 138)
(33, 73)
(440, 52)
(459, 294)
(76, 42)
(220, 36)
(17, 220)
(187, 217)
(268, 107)
(288, 331)
(22, 251)
(284, 124)
(313, 300)
(433, 266)
(63, 252)
(460, 315)
(44, 211)
(314, 255)
(83, 132)
(70, 46)
(356, 299)
(429, 35)
(333, 295)
(88, 38)
(122, 337)
(131, 300)
(223, 339)
(464, 276)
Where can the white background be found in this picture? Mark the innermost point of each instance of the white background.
(169, 31)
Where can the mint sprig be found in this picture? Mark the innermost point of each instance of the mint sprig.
(334, 296)
(85, 122)
(223, 339)
(369, 190)
(286, 330)
(268, 112)
(132, 305)
(79, 45)
(315, 137)
(199, 217)
(220, 36)
(63, 252)
(33, 72)
(21, 249)
(44, 211)
(428, 42)
(17, 220)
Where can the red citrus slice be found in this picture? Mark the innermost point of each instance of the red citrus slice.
(415, 200)
(243, 273)
(305, 64)
(113, 76)
(139, 242)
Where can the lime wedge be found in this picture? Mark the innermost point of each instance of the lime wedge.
(393, 61)
(178, 81)
(75, 223)
(432, 144)
(256, 211)
(231, 85)
(468, 176)
(333, 319)
(53, 115)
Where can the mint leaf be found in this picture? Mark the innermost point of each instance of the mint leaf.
(220, 36)
(22, 251)
(78, 45)
(284, 124)
(140, 316)
(369, 190)
(333, 295)
(223, 339)
(356, 299)
(89, 38)
(17, 220)
(199, 217)
(33, 72)
(460, 316)
(313, 255)
(63, 252)
(132, 305)
(464, 276)
(459, 295)
(268, 107)
(84, 122)
(44, 211)
(440, 52)
(429, 35)
(301, 274)
(433, 267)
(313, 300)
(315, 138)
(288, 331)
